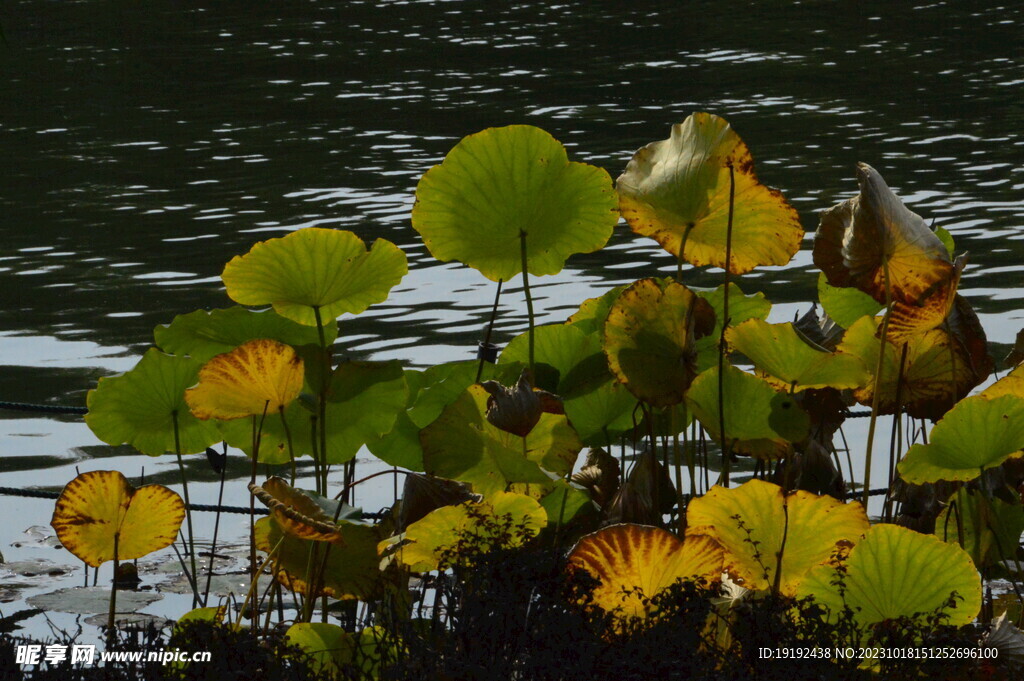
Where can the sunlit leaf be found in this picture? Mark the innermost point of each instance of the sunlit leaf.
(258, 377)
(741, 308)
(759, 421)
(327, 269)
(560, 500)
(428, 541)
(845, 305)
(635, 562)
(947, 239)
(99, 510)
(501, 182)
(593, 312)
(790, 362)
(895, 572)
(1010, 384)
(979, 432)
(462, 445)
(351, 571)
(676, 191)
(928, 310)
(139, 408)
(863, 237)
(204, 334)
(755, 522)
(991, 528)
(302, 513)
(649, 339)
(328, 646)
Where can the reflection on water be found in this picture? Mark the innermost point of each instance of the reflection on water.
(147, 143)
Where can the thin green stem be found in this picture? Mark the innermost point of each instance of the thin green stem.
(526, 290)
(883, 341)
(490, 329)
(321, 483)
(188, 509)
(288, 439)
(725, 324)
(111, 635)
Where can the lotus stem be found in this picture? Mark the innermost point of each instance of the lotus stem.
(529, 298)
(878, 384)
(724, 477)
(777, 582)
(188, 509)
(257, 433)
(288, 439)
(321, 483)
(896, 436)
(213, 544)
(490, 328)
(113, 595)
(392, 471)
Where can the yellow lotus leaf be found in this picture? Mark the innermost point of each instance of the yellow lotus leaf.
(99, 514)
(928, 310)
(676, 191)
(649, 339)
(788, 361)
(261, 376)
(861, 239)
(756, 522)
(1010, 384)
(300, 513)
(927, 372)
(635, 562)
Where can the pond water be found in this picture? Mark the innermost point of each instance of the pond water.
(148, 143)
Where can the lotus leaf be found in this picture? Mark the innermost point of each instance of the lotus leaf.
(1016, 354)
(518, 409)
(562, 501)
(991, 527)
(88, 600)
(351, 571)
(502, 182)
(756, 521)
(895, 572)
(862, 238)
(635, 562)
(302, 513)
(791, 362)
(328, 646)
(978, 433)
(100, 517)
(927, 372)
(741, 308)
(204, 334)
(140, 407)
(258, 377)
(676, 191)
(597, 405)
(649, 339)
(759, 421)
(845, 305)
(928, 310)
(363, 401)
(1010, 384)
(315, 269)
(428, 540)
(462, 445)
(593, 312)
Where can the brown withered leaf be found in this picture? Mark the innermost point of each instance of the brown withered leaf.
(600, 476)
(422, 494)
(295, 512)
(646, 495)
(517, 409)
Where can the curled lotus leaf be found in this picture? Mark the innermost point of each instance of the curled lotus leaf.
(978, 433)
(650, 336)
(351, 570)
(928, 310)
(789, 361)
(756, 523)
(503, 182)
(988, 529)
(300, 513)
(895, 572)
(518, 409)
(636, 562)
(676, 191)
(759, 421)
(428, 542)
(100, 517)
(258, 377)
(928, 369)
(203, 334)
(315, 269)
(861, 239)
(143, 407)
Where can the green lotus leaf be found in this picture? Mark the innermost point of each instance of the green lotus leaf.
(430, 392)
(502, 182)
(329, 647)
(204, 334)
(741, 308)
(978, 433)
(755, 521)
(847, 304)
(552, 494)
(991, 527)
(593, 312)
(947, 240)
(759, 421)
(139, 407)
(351, 572)
(315, 268)
(428, 540)
(894, 572)
(571, 360)
(676, 191)
(462, 445)
(790, 362)
(649, 339)
(363, 402)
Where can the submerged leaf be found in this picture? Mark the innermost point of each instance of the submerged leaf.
(502, 182)
(99, 512)
(315, 269)
(676, 191)
(258, 377)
